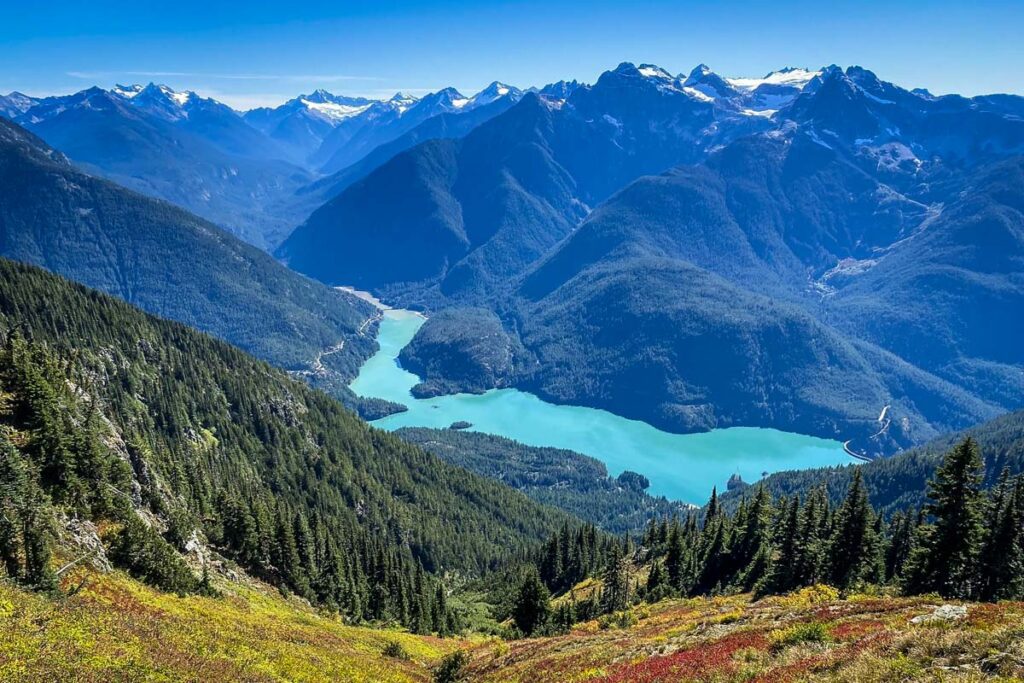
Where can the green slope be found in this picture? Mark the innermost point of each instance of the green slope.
(173, 264)
(118, 411)
(898, 482)
(561, 478)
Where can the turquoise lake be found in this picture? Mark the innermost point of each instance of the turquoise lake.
(680, 466)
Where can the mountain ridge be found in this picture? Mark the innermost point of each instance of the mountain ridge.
(169, 262)
(792, 205)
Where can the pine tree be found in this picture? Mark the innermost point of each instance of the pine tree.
(945, 556)
(615, 591)
(712, 510)
(783, 576)
(14, 487)
(656, 581)
(36, 536)
(901, 536)
(552, 571)
(531, 605)
(439, 611)
(712, 557)
(853, 551)
(285, 554)
(1001, 558)
(751, 546)
(815, 533)
(675, 556)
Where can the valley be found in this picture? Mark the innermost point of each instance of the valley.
(679, 466)
(316, 367)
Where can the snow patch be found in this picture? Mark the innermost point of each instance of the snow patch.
(127, 91)
(335, 112)
(697, 94)
(891, 156)
(814, 136)
(796, 78)
(651, 71)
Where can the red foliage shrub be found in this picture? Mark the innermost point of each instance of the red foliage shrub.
(854, 630)
(693, 663)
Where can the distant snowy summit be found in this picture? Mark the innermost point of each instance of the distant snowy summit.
(326, 132)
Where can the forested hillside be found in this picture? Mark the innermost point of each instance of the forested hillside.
(897, 484)
(769, 286)
(564, 479)
(170, 440)
(962, 543)
(172, 264)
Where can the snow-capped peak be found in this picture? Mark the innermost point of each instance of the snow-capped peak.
(318, 95)
(327, 106)
(181, 98)
(127, 91)
(333, 111)
(16, 103)
(559, 91)
(159, 100)
(400, 102)
(446, 99)
(402, 97)
(698, 72)
(704, 84)
(654, 71)
(495, 91)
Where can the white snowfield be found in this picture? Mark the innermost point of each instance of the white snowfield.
(793, 77)
(333, 111)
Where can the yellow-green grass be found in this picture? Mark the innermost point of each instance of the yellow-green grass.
(116, 629)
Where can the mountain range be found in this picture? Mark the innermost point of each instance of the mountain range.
(814, 250)
(244, 171)
(820, 248)
(817, 251)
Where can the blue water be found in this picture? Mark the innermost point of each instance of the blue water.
(680, 466)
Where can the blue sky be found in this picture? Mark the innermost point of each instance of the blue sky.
(258, 52)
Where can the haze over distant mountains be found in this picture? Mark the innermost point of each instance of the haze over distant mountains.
(246, 172)
(815, 250)
(170, 263)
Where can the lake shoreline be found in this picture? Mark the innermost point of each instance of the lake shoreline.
(682, 467)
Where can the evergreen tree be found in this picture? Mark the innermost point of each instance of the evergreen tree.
(815, 533)
(853, 551)
(751, 546)
(712, 510)
(675, 556)
(1001, 558)
(784, 574)
(531, 604)
(656, 581)
(551, 567)
(711, 558)
(945, 557)
(615, 592)
(38, 572)
(439, 610)
(901, 538)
